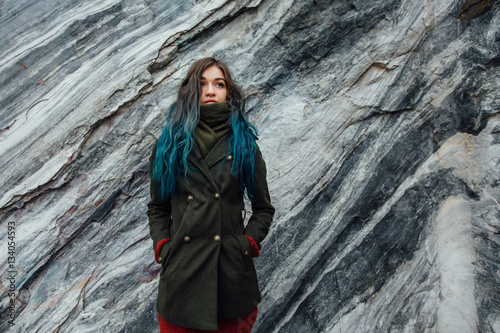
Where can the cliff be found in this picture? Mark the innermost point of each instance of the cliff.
(379, 122)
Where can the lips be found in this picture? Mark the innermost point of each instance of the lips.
(210, 101)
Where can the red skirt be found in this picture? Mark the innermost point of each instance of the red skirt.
(240, 325)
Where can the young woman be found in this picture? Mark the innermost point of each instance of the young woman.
(203, 163)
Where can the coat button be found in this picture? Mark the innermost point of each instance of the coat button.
(216, 238)
(160, 260)
(230, 157)
(246, 252)
(190, 198)
(217, 196)
(187, 239)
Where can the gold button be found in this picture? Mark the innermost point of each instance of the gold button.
(160, 260)
(230, 157)
(217, 196)
(190, 198)
(246, 252)
(216, 238)
(187, 239)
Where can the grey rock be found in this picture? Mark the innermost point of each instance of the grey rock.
(379, 122)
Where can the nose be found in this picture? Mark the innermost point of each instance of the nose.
(210, 90)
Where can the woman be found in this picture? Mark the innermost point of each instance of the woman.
(203, 163)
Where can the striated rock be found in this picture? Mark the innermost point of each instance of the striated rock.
(379, 122)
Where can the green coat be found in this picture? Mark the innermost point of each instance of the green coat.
(207, 267)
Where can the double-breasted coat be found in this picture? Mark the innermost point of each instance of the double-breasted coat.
(207, 268)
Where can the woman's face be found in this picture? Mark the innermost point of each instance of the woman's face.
(213, 86)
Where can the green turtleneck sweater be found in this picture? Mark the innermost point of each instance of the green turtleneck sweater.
(213, 125)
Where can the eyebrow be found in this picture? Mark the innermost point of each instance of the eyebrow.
(216, 79)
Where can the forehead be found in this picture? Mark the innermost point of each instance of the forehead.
(212, 73)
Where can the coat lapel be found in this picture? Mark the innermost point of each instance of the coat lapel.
(199, 164)
(218, 152)
(215, 155)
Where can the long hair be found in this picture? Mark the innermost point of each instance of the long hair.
(177, 138)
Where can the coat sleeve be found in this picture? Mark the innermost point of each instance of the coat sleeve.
(262, 209)
(159, 212)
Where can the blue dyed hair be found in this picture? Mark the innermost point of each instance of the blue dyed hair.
(177, 138)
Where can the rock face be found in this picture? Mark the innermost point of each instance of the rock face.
(379, 122)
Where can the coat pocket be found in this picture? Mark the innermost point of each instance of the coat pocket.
(245, 251)
(165, 254)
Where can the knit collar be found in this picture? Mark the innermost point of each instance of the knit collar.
(214, 114)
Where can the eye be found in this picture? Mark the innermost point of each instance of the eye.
(220, 84)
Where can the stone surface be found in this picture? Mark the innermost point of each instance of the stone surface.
(379, 122)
